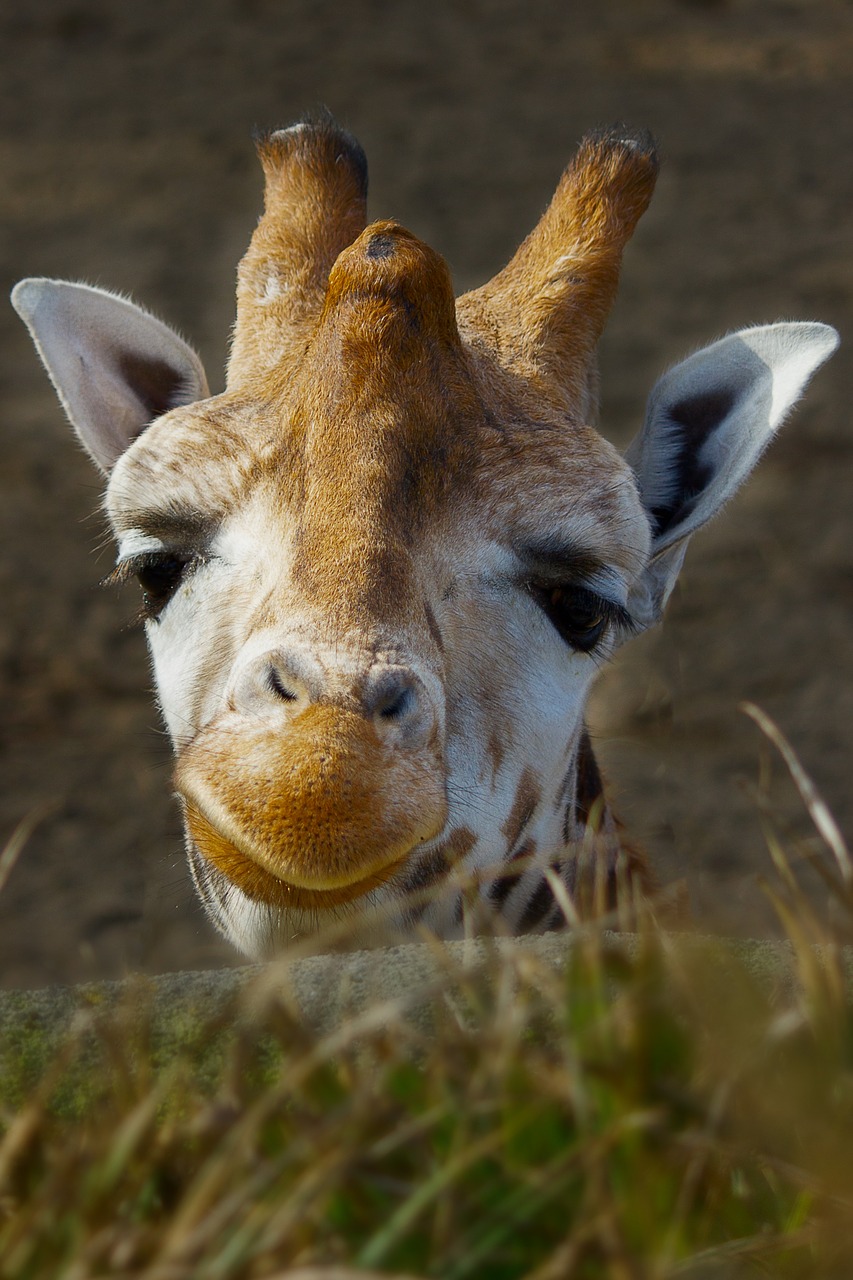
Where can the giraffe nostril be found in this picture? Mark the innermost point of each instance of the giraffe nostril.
(393, 697)
(277, 686)
(396, 704)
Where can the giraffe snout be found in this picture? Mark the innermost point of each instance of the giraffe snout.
(309, 792)
(391, 696)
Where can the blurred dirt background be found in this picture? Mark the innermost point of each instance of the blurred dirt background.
(127, 162)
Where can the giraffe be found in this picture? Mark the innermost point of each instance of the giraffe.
(381, 570)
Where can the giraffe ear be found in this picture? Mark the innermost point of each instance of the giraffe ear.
(707, 423)
(115, 367)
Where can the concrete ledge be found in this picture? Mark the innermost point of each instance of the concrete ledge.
(187, 1010)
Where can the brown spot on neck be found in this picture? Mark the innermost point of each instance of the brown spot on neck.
(496, 748)
(538, 907)
(422, 882)
(590, 788)
(527, 797)
(509, 876)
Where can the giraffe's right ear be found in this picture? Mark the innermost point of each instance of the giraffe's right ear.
(115, 367)
(707, 423)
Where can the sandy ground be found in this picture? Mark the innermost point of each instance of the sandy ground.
(126, 161)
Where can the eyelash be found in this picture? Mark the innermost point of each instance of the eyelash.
(160, 574)
(579, 616)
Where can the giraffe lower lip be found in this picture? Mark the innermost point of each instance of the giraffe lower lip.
(261, 885)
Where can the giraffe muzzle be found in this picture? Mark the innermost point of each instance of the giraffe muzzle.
(314, 816)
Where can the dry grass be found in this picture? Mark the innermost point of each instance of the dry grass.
(645, 1112)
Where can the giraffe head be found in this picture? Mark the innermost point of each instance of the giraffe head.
(381, 570)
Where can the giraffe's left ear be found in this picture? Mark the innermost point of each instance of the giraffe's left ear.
(708, 421)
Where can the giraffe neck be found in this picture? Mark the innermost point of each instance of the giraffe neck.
(589, 865)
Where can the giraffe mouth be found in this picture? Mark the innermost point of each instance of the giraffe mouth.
(262, 885)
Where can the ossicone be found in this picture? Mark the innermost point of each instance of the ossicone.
(315, 204)
(545, 312)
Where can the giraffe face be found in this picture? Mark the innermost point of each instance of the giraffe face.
(374, 613)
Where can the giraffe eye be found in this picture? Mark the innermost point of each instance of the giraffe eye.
(158, 573)
(579, 616)
(159, 576)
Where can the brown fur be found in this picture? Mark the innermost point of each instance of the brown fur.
(586, 805)
(527, 797)
(539, 905)
(509, 877)
(383, 404)
(430, 871)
